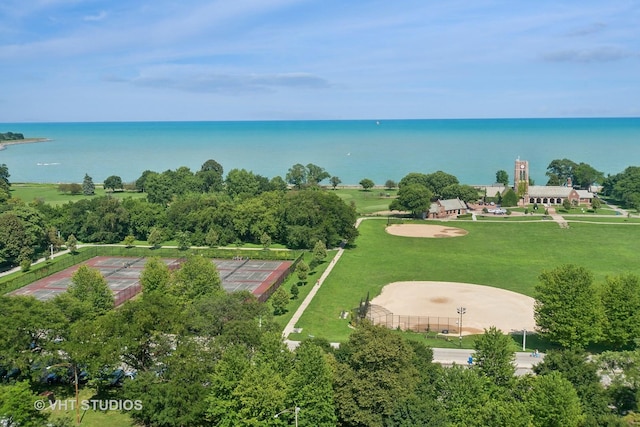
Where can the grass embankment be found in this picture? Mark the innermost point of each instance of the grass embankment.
(504, 255)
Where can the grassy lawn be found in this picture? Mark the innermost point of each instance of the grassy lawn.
(304, 289)
(49, 193)
(505, 255)
(367, 202)
(88, 418)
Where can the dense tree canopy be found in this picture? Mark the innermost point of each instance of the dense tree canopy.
(502, 177)
(568, 310)
(415, 198)
(113, 183)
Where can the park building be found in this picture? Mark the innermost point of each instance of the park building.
(447, 208)
(548, 194)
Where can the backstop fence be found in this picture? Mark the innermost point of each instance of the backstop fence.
(380, 316)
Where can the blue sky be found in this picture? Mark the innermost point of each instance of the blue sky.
(130, 60)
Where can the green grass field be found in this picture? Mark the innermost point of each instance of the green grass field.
(48, 193)
(367, 202)
(508, 255)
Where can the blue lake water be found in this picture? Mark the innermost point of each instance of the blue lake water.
(472, 150)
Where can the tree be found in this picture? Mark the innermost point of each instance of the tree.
(414, 198)
(72, 243)
(175, 395)
(465, 193)
(183, 239)
(302, 270)
(309, 386)
(13, 237)
(88, 285)
(375, 372)
(279, 301)
(596, 204)
(584, 175)
(567, 309)
(566, 204)
(88, 188)
(621, 303)
(129, 240)
(158, 188)
(19, 406)
(559, 170)
(502, 177)
(265, 241)
(155, 276)
(277, 184)
(493, 356)
(319, 252)
(4, 175)
(297, 175)
(316, 174)
(113, 182)
(212, 238)
(414, 178)
(510, 198)
(582, 373)
(335, 181)
(366, 184)
(198, 277)
(438, 180)
(294, 290)
(554, 402)
(155, 237)
(390, 184)
(242, 183)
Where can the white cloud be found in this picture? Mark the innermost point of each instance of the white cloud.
(98, 17)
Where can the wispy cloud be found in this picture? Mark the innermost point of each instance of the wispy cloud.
(587, 30)
(598, 54)
(97, 17)
(212, 82)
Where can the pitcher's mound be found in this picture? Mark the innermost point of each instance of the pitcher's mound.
(424, 230)
(484, 306)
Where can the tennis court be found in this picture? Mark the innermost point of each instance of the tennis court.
(259, 277)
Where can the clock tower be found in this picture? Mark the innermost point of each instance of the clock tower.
(521, 177)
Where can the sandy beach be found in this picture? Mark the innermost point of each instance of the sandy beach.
(5, 144)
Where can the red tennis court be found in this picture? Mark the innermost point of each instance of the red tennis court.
(260, 277)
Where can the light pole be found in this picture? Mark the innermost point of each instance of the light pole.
(524, 339)
(75, 375)
(461, 311)
(295, 410)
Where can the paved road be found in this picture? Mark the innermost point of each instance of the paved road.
(448, 356)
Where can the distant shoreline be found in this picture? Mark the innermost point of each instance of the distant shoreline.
(4, 144)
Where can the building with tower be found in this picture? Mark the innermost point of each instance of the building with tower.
(546, 194)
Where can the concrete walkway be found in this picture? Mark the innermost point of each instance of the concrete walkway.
(288, 329)
(558, 218)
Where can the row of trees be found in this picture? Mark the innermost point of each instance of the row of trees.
(624, 186)
(250, 209)
(574, 311)
(416, 191)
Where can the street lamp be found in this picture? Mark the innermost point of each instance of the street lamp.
(295, 410)
(461, 311)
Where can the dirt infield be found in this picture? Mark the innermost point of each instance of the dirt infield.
(424, 230)
(485, 306)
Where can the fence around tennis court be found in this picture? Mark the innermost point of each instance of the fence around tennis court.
(50, 267)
